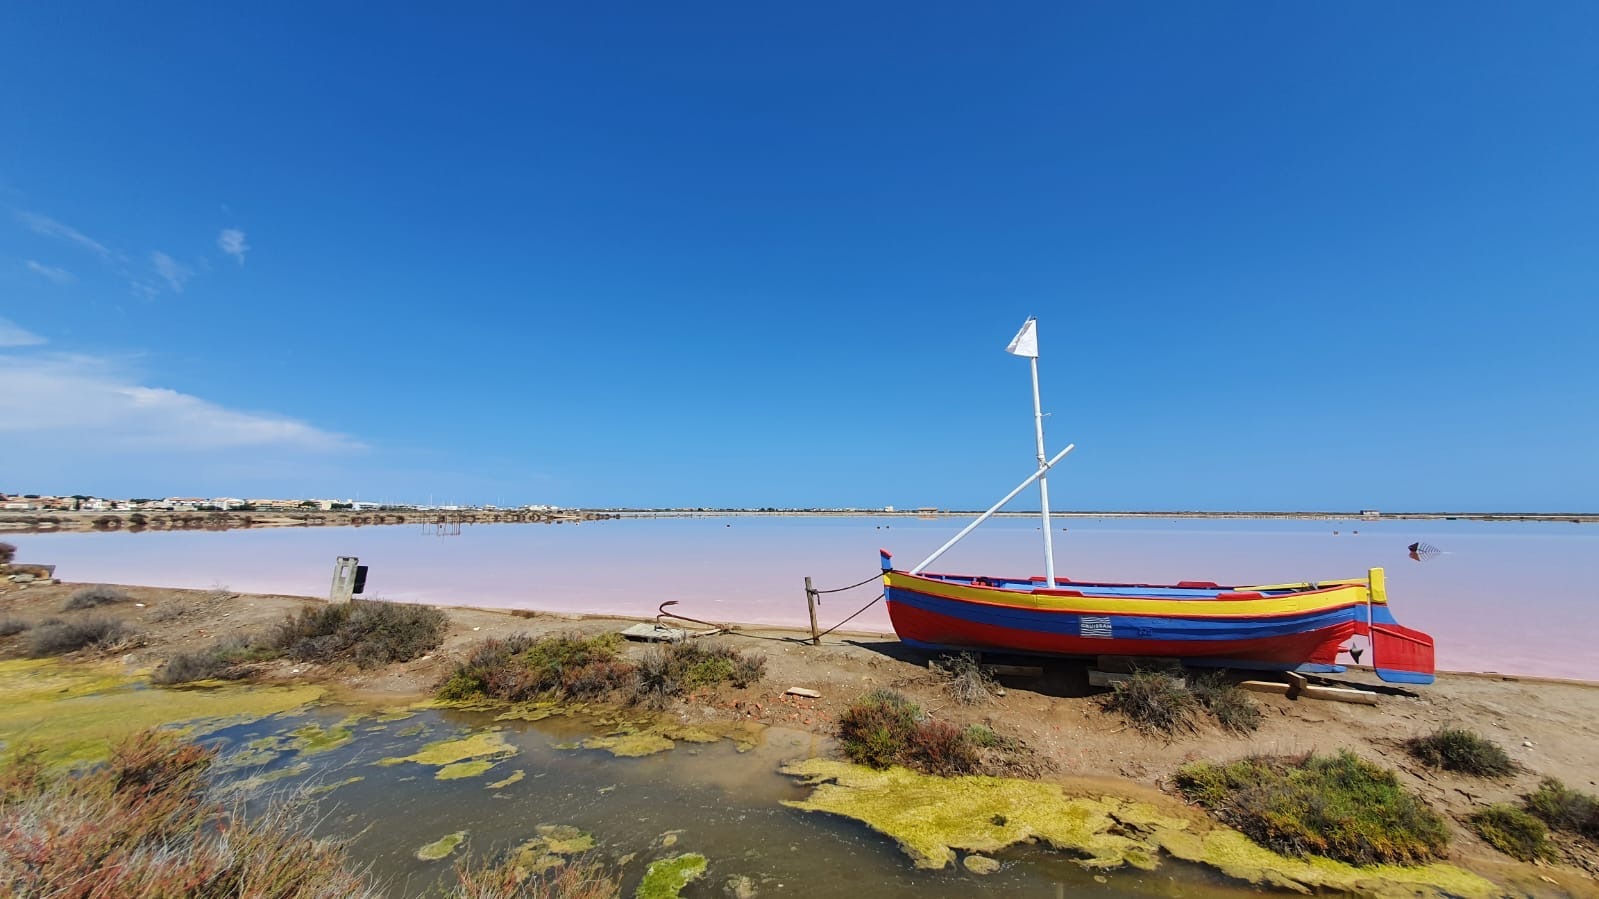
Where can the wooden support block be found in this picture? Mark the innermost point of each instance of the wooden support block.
(1296, 683)
(1097, 678)
(1311, 691)
(1015, 670)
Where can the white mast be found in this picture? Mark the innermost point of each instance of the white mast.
(1025, 343)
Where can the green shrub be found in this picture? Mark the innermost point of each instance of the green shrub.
(884, 728)
(520, 668)
(1459, 750)
(54, 638)
(91, 597)
(1513, 832)
(1153, 703)
(672, 669)
(1339, 806)
(1232, 708)
(876, 730)
(1565, 809)
(483, 672)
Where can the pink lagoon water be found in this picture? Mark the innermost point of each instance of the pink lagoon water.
(1517, 598)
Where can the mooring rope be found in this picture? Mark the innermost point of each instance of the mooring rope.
(857, 612)
(852, 586)
(733, 629)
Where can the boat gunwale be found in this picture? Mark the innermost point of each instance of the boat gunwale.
(1208, 608)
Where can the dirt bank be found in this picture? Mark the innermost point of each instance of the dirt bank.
(1550, 727)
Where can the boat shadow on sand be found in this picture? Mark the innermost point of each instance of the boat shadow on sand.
(1067, 677)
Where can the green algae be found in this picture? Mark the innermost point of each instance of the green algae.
(314, 738)
(551, 848)
(481, 745)
(530, 711)
(257, 781)
(441, 847)
(415, 730)
(75, 712)
(931, 817)
(980, 864)
(324, 789)
(665, 878)
(515, 776)
(630, 745)
(563, 839)
(462, 770)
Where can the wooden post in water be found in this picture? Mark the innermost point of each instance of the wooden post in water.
(810, 600)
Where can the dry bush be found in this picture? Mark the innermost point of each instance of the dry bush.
(12, 626)
(1153, 703)
(227, 659)
(170, 611)
(965, 679)
(141, 825)
(1232, 708)
(95, 596)
(369, 633)
(578, 878)
(54, 638)
(7, 553)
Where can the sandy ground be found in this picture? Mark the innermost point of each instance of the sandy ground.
(1551, 727)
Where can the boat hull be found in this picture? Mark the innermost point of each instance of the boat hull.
(1283, 628)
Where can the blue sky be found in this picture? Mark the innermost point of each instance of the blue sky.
(1283, 255)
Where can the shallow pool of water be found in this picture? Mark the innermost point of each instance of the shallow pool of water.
(706, 798)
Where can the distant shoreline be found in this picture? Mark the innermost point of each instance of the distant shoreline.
(154, 521)
(146, 522)
(1569, 517)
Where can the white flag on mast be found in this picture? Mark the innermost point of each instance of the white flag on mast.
(1025, 343)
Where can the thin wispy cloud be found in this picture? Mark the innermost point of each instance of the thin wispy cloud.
(13, 334)
(51, 273)
(42, 224)
(231, 242)
(69, 400)
(173, 272)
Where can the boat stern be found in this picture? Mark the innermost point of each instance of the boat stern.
(1400, 655)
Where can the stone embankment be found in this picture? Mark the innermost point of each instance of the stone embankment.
(135, 522)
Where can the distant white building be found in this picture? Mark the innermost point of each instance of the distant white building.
(888, 508)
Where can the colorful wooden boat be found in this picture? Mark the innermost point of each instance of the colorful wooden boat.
(1286, 627)
(1301, 627)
